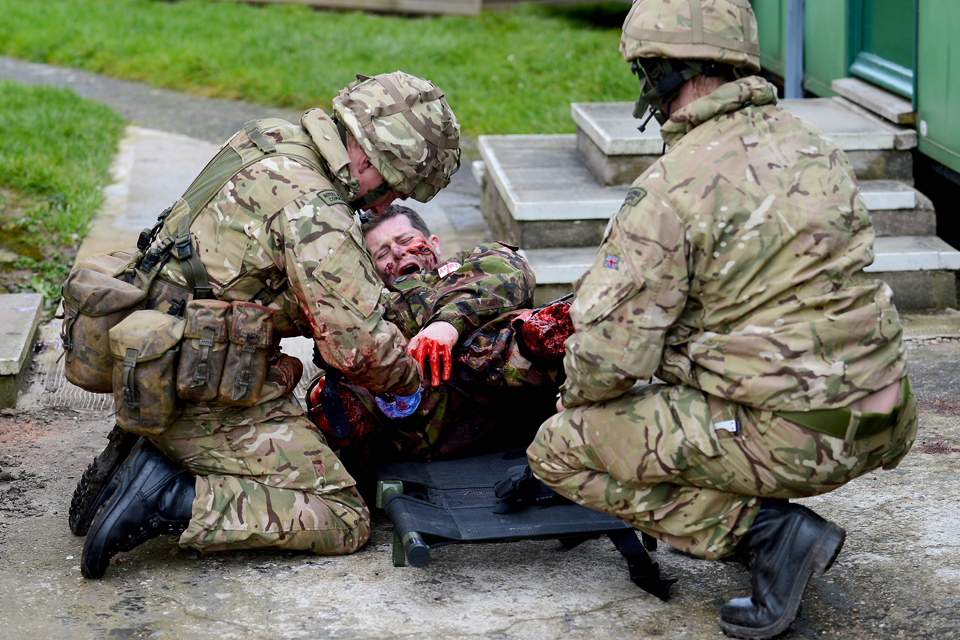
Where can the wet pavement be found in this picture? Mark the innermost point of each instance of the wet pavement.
(897, 577)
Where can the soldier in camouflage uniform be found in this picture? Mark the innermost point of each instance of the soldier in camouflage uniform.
(491, 395)
(283, 232)
(734, 273)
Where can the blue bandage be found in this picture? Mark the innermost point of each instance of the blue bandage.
(400, 406)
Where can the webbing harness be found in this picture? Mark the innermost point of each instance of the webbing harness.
(221, 169)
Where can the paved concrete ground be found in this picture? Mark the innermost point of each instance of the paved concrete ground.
(898, 576)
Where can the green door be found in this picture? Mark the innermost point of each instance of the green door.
(883, 43)
(938, 84)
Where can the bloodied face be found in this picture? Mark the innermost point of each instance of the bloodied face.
(398, 249)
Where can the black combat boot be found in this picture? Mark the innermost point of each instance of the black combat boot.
(155, 496)
(100, 480)
(786, 544)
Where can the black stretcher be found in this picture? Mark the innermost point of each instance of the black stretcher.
(434, 504)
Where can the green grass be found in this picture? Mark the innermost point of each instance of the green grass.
(55, 155)
(513, 71)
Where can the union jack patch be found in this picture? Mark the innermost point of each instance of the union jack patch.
(448, 268)
(611, 262)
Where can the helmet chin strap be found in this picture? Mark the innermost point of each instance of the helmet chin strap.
(377, 192)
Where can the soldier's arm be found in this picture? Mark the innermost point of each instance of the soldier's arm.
(492, 280)
(626, 302)
(339, 292)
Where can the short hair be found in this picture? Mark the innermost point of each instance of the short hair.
(394, 210)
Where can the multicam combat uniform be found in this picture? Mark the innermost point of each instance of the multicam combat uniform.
(495, 397)
(281, 229)
(733, 272)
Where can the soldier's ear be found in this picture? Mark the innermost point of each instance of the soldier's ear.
(435, 243)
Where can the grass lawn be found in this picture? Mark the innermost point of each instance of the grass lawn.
(55, 156)
(511, 71)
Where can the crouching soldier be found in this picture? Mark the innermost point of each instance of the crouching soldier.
(733, 273)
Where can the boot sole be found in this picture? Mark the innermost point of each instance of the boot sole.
(825, 551)
(91, 491)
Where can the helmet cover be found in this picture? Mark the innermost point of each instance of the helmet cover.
(406, 129)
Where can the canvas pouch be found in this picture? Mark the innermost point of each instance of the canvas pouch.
(94, 301)
(204, 350)
(144, 347)
(248, 354)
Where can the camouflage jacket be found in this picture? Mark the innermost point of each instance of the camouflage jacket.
(735, 266)
(467, 414)
(279, 226)
(485, 283)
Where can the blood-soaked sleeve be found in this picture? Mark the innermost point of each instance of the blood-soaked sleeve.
(626, 301)
(490, 281)
(340, 293)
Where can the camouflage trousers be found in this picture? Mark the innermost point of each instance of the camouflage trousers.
(265, 478)
(654, 459)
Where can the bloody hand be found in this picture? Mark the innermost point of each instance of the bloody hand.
(436, 351)
(435, 341)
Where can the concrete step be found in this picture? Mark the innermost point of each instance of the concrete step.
(616, 152)
(886, 104)
(537, 192)
(919, 269)
(19, 316)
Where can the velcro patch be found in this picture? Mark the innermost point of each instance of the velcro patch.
(448, 268)
(330, 197)
(611, 262)
(727, 425)
(634, 196)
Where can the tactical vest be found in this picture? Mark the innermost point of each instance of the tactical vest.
(124, 328)
(171, 235)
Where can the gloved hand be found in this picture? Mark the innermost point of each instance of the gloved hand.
(394, 406)
(521, 489)
(339, 413)
(542, 332)
(435, 341)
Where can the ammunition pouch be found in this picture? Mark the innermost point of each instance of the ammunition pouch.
(204, 350)
(145, 347)
(99, 293)
(248, 354)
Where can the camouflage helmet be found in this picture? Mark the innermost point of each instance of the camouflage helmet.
(406, 128)
(723, 31)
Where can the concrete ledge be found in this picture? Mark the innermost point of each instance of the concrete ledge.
(885, 104)
(537, 192)
(914, 253)
(614, 149)
(19, 317)
(887, 194)
(613, 128)
(920, 270)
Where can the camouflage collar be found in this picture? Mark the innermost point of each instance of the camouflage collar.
(730, 97)
(323, 132)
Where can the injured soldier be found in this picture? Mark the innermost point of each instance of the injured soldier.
(484, 388)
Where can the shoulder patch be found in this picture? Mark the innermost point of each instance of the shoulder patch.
(330, 197)
(634, 196)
